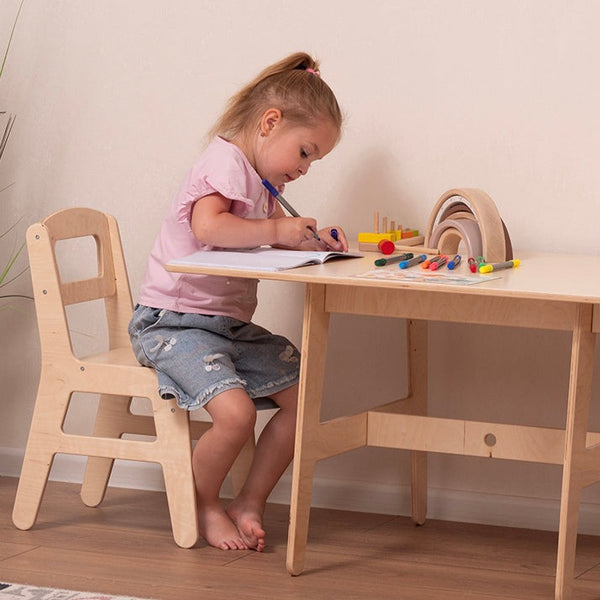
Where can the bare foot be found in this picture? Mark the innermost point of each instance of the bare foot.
(249, 524)
(218, 529)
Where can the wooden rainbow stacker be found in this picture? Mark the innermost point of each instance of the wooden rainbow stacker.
(465, 217)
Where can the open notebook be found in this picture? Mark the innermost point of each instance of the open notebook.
(264, 259)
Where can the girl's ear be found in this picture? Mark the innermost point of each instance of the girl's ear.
(270, 119)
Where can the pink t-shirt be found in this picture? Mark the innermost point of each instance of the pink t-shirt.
(222, 168)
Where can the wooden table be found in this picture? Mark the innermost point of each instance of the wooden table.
(548, 291)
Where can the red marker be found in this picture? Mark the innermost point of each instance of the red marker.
(473, 265)
(440, 262)
(428, 262)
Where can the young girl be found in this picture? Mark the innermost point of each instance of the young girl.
(196, 330)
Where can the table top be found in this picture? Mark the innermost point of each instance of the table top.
(541, 275)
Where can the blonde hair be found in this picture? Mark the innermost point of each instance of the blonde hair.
(292, 85)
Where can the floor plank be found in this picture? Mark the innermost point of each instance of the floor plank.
(125, 547)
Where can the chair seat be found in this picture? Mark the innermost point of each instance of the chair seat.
(125, 356)
(122, 355)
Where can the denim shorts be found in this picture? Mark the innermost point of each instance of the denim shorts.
(198, 356)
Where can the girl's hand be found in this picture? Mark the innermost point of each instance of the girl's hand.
(295, 231)
(327, 241)
(334, 238)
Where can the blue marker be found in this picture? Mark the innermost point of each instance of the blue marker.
(285, 203)
(454, 262)
(405, 264)
(334, 234)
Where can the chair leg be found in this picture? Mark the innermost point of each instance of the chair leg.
(32, 483)
(95, 480)
(43, 443)
(173, 432)
(108, 424)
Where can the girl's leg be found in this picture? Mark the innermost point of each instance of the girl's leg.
(233, 416)
(274, 452)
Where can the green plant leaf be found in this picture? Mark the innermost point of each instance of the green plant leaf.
(10, 263)
(12, 31)
(6, 134)
(14, 255)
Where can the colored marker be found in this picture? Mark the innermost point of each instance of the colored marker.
(275, 193)
(425, 264)
(454, 262)
(334, 234)
(405, 264)
(509, 264)
(436, 264)
(472, 265)
(428, 262)
(381, 262)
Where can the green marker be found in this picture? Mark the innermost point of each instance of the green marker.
(381, 262)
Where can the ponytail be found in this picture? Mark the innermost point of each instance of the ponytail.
(292, 85)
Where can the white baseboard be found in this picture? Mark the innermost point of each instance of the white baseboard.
(445, 504)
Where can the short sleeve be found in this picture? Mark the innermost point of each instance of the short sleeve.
(224, 170)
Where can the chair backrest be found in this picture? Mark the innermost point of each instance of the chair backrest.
(52, 294)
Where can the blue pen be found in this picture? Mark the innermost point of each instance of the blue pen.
(275, 193)
(334, 234)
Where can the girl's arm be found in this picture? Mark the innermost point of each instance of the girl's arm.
(213, 224)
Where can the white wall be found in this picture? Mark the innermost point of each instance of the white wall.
(113, 99)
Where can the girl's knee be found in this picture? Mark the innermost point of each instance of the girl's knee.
(233, 410)
(243, 417)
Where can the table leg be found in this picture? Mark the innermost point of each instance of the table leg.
(580, 384)
(315, 440)
(312, 373)
(417, 392)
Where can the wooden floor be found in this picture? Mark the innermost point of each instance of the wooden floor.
(125, 547)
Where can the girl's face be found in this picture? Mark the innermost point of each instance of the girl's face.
(285, 151)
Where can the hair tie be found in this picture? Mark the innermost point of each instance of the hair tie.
(309, 70)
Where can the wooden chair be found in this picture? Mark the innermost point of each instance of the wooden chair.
(115, 375)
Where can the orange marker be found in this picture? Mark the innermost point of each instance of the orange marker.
(440, 262)
(427, 264)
